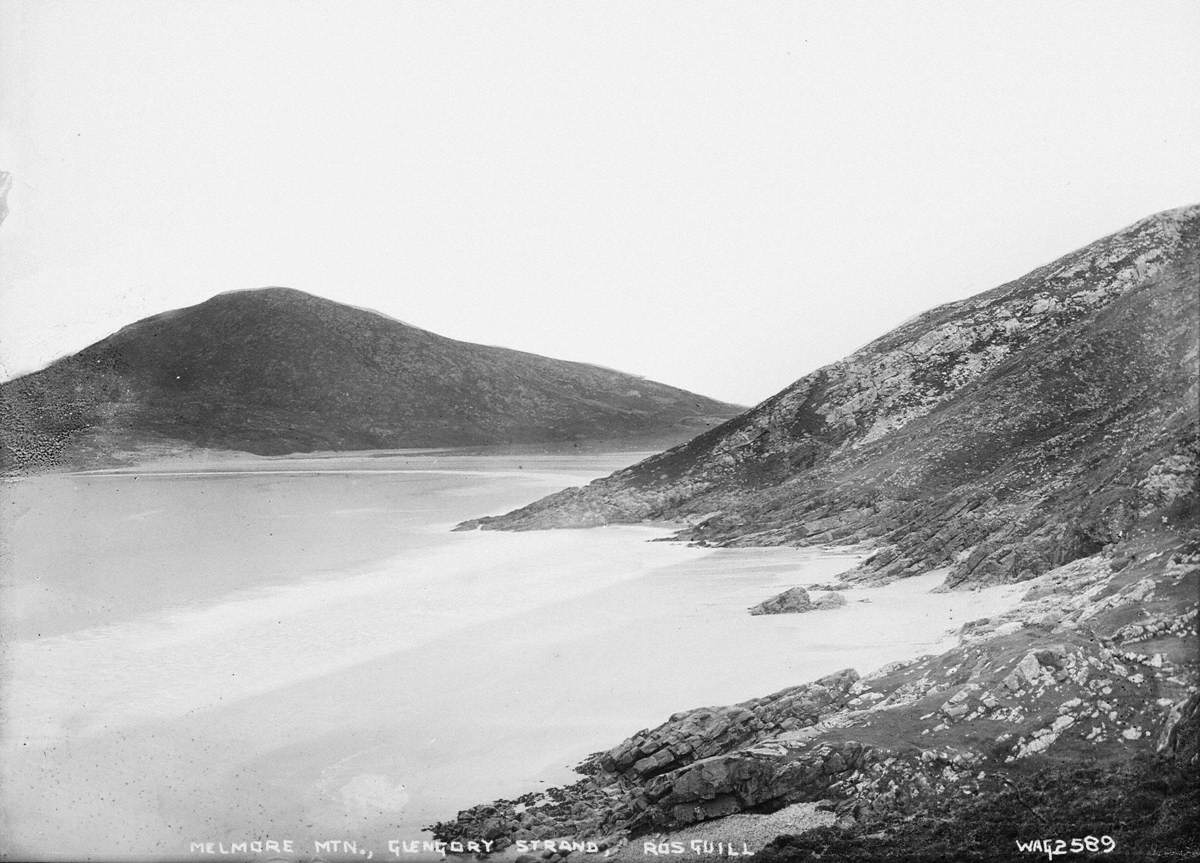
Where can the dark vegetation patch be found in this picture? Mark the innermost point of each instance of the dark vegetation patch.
(1150, 808)
(275, 371)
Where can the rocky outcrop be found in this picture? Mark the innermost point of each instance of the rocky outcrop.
(698, 734)
(999, 437)
(795, 600)
(699, 764)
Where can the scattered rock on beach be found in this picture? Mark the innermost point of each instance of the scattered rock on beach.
(791, 601)
(796, 600)
(830, 600)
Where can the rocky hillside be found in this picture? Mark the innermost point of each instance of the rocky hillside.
(1043, 431)
(275, 371)
(1001, 436)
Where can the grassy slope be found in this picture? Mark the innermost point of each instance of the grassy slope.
(275, 371)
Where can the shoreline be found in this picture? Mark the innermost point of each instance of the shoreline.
(341, 743)
(1064, 671)
(842, 741)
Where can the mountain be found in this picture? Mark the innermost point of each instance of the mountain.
(276, 370)
(1000, 436)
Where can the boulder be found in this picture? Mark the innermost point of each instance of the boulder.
(791, 601)
(829, 600)
(796, 600)
(1181, 733)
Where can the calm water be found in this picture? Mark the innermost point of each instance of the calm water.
(301, 648)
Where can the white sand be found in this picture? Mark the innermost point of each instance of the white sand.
(286, 654)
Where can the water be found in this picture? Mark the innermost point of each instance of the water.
(303, 649)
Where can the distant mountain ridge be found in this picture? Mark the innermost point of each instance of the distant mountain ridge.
(276, 370)
(999, 436)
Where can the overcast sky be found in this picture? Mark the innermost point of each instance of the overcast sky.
(718, 196)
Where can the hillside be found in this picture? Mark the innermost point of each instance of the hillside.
(1045, 431)
(275, 370)
(1001, 436)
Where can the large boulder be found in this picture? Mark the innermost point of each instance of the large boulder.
(796, 600)
(791, 601)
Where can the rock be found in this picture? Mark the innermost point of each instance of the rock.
(1029, 669)
(829, 600)
(791, 601)
(493, 828)
(1180, 737)
(796, 600)
(720, 786)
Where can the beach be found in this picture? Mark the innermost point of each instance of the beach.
(302, 648)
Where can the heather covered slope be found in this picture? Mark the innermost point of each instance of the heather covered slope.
(1002, 435)
(276, 370)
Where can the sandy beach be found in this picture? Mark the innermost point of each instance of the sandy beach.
(303, 649)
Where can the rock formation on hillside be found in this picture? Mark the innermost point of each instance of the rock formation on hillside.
(275, 370)
(1000, 436)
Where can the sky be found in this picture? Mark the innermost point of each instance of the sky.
(718, 196)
